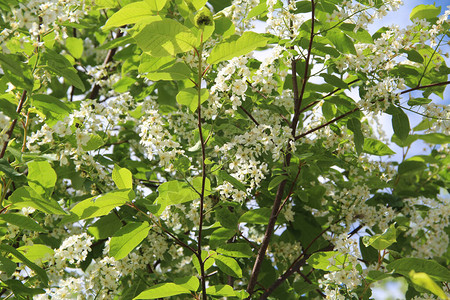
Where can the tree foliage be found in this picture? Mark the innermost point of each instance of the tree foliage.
(155, 149)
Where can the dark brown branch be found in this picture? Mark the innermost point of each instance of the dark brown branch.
(305, 277)
(14, 122)
(249, 115)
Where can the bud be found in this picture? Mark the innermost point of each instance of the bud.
(203, 18)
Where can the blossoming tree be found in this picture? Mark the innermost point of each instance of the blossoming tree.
(146, 151)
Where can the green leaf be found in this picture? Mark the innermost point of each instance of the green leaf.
(128, 238)
(418, 101)
(341, 41)
(425, 124)
(101, 205)
(423, 280)
(19, 289)
(178, 71)
(122, 178)
(52, 107)
(105, 227)
(9, 171)
(257, 216)
(164, 38)
(226, 218)
(236, 250)
(156, 5)
(94, 142)
(130, 14)
(7, 266)
(382, 241)
(224, 27)
(39, 271)
(206, 257)
(435, 138)
(259, 9)
(375, 147)
(9, 107)
(190, 282)
(36, 252)
(25, 196)
(220, 236)
(75, 46)
(60, 66)
(233, 47)
(355, 126)
(334, 80)
(175, 192)
(197, 185)
(234, 182)
(189, 97)
(424, 11)
(221, 291)
(400, 123)
(17, 72)
(228, 265)
(163, 290)
(22, 221)
(411, 166)
(275, 182)
(328, 261)
(432, 268)
(41, 177)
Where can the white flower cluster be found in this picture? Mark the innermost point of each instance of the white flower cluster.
(238, 13)
(73, 250)
(285, 251)
(282, 22)
(379, 96)
(41, 17)
(428, 227)
(157, 140)
(4, 122)
(439, 115)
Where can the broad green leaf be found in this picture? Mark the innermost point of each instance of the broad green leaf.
(328, 261)
(221, 291)
(38, 270)
(423, 280)
(60, 66)
(435, 138)
(418, 101)
(341, 41)
(228, 265)
(197, 185)
(220, 236)
(165, 38)
(234, 182)
(25, 196)
(22, 221)
(122, 177)
(358, 137)
(105, 227)
(189, 97)
(432, 268)
(411, 166)
(425, 124)
(129, 14)
(334, 80)
(7, 266)
(152, 64)
(224, 27)
(400, 123)
(52, 107)
(9, 171)
(175, 192)
(226, 218)
(127, 238)
(382, 241)
(257, 216)
(190, 282)
(375, 147)
(41, 177)
(75, 46)
(94, 142)
(424, 11)
(275, 182)
(9, 107)
(163, 290)
(36, 253)
(156, 5)
(235, 250)
(178, 71)
(233, 47)
(260, 9)
(101, 205)
(16, 71)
